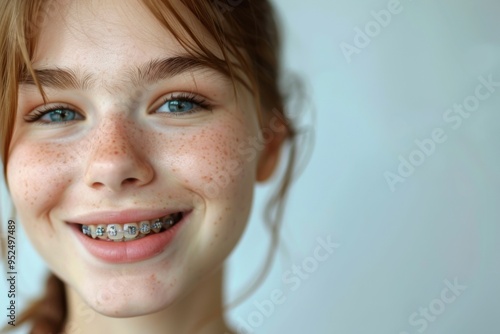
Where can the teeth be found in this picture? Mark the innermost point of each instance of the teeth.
(100, 231)
(91, 230)
(115, 232)
(145, 227)
(157, 225)
(130, 231)
(85, 230)
(168, 222)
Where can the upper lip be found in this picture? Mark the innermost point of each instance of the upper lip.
(121, 217)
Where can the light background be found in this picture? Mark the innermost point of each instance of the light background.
(397, 248)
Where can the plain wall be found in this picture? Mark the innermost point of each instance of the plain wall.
(399, 247)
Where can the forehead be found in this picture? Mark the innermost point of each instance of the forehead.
(106, 37)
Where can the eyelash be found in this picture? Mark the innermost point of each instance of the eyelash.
(201, 104)
(39, 113)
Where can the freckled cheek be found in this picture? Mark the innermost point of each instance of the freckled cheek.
(38, 176)
(212, 163)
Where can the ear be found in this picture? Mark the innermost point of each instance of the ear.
(270, 154)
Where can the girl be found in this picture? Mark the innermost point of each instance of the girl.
(133, 134)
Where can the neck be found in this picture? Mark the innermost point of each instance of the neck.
(200, 312)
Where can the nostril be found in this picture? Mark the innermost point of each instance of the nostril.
(129, 180)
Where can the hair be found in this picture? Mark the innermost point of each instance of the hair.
(246, 32)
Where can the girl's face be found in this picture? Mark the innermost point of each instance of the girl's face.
(134, 130)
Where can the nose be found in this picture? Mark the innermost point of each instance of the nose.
(115, 160)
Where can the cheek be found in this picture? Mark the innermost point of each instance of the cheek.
(37, 176)
(216, 166)
(212, 163)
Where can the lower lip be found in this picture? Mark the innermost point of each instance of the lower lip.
(129, 251)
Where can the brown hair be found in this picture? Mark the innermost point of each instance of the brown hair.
(248, 36)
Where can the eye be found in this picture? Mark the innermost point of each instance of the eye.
(59, 115)
(55, 114)
(183, 104)
(177, 106)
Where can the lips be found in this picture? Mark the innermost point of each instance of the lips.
(137, 245)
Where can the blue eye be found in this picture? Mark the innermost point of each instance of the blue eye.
(178, 106)
(183, 104)
(54, 115)
(59, 115)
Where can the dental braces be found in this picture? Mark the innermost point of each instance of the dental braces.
(145, 228)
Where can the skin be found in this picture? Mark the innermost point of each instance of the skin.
(125, 154)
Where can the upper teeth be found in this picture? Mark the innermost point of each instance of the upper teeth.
(129, 231)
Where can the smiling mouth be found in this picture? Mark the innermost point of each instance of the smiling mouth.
(133, 230)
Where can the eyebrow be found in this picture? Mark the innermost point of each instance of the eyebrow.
(145, 74)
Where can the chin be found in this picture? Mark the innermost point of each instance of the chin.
(137, 302)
